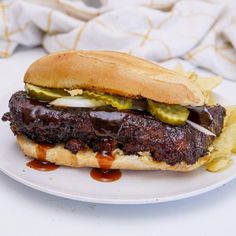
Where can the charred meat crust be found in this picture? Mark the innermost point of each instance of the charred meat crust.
(104, 129)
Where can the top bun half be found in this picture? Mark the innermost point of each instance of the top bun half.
(115, 73)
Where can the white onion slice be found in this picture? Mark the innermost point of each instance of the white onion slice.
(200, 128)
(76, 101)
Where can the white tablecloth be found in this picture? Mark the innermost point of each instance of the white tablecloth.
(201, 32)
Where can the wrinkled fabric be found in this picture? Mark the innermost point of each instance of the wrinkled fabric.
(200, 32)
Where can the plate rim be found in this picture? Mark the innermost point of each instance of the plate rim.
(116, 201)
(131, 201)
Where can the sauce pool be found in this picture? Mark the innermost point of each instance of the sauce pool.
(42, 165)
(104, 173)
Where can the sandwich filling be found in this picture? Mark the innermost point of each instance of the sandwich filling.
(104, 128)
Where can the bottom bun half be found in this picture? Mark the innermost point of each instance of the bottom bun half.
(61, 156)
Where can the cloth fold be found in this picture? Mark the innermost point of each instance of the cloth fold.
(200, 32)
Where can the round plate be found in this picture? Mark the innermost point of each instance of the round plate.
(134, 187)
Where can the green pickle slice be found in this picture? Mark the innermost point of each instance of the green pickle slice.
(44, 94)
(170, 114)
(115, 101)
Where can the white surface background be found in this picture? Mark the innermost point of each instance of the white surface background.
(24, 211)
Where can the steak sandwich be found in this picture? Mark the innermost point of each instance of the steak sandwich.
(112, 110)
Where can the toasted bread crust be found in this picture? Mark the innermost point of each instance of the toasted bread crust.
(115, 73)
(60, 156)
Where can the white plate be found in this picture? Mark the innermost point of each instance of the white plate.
(134, 187)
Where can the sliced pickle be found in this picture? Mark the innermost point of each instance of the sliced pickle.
(170, 114)
(116, 101)
(44, 94)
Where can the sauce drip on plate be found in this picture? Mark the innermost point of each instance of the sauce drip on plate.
(42, 165)
(105, 174)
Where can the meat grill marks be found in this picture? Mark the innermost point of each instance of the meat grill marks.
(104, 129)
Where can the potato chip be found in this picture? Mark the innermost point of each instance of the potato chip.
(230, 115)
(180, 69)
(218, 164)
(205, 83)
(225, 144)
(210, 99)
(192, 76)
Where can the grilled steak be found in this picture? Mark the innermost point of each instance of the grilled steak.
(105, 128)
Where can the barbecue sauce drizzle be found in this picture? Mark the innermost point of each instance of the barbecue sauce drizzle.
(41, 164)
(104, 173)
(105, 123)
